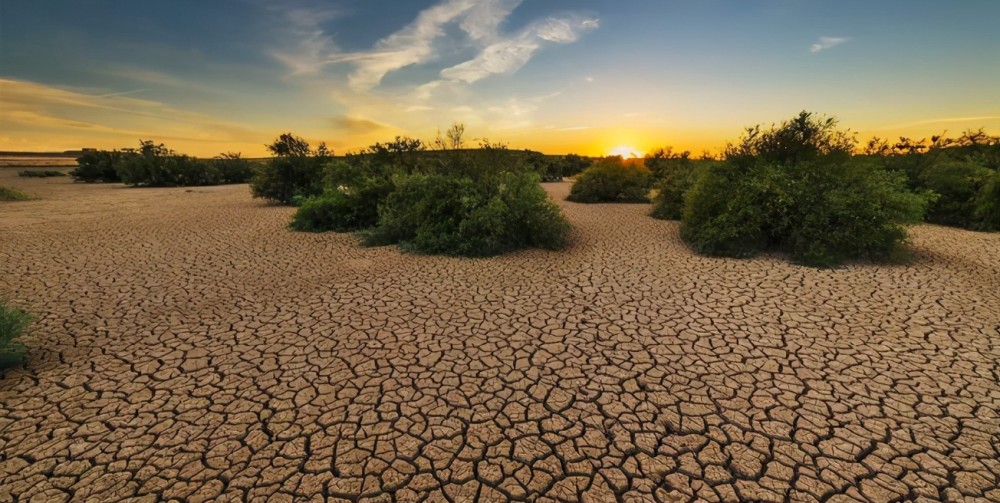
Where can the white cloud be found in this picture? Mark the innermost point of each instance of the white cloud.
(480, 20)
(510, 54)
(825, 43)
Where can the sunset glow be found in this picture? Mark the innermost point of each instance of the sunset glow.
(562, 76)
(626, 152)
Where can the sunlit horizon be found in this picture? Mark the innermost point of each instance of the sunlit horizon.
(556, 77)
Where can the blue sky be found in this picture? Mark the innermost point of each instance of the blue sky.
(554, 75)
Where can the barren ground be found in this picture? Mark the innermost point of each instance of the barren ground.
(191, 347)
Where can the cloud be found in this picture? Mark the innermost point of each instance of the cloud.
(510, 54)
(825, 43)
(357, 125)
(945, 120)
(42, 114)
(417, 42)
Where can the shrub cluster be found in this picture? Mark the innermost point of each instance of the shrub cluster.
(99, 166)
(455, 215)
(673, 175)
(962, 174)
(295, 172)
(154, 165)
(37, 173)
(612, 180)
(13, 324)
(476, 202)
(796, 189)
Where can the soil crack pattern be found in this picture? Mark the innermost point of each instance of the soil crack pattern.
(191, 348)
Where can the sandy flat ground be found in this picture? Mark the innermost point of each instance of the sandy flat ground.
(191, 347)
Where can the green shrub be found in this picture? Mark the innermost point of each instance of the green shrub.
(573, 164)
(29, 173)
(168, 171)
(13, 324)
(810, 200)
(295, 171)
(454, 215)
(12, 194)
(670, 187)
(611, 180)
(957, 185)
(986, 216)
(99, 166)
(232, 168)
(343, 209)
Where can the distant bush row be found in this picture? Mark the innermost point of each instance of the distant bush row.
(455, 201)
(38, 173)
(154, 165)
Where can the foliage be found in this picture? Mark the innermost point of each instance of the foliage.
(611, 180)
(232, 168)
(99, 166)
(795, 189)
(48, 173)
(13, 325)
(349, 203)
(668, 204)
(157, 166)
(295, 171)
(986, 216)
(957, 184)
(454, 215)
(957, 170)
(12, 194)
(573, 164)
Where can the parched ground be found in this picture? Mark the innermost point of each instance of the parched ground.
(190, 347)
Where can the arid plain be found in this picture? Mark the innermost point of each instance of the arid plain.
(190, 347)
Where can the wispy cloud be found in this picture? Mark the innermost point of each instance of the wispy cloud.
(481, 21)
(510, 54)
(946, 120)
(825, 43)
(357, 125)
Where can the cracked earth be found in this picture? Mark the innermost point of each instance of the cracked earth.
(189, 347)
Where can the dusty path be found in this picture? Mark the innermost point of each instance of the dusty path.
(191, 347)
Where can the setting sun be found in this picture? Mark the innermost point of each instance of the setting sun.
(626, 151)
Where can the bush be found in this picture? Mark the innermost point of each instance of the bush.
(611, 180)
(28, 173)
(453, 215)
(294, 172)
(671, 185)
(168, 171)
(99, 166)
(13, 324)
(343, 209)
(232, 168)
(986, 216)
(957, 185)
(573, 164)
(796, 189)
(12, 194)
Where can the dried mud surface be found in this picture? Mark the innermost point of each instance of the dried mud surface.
(190, 347)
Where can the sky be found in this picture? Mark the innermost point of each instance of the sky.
(558, 76)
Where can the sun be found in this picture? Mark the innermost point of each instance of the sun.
(626, 151)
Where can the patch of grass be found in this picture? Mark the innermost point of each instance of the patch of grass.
(38, 173)
(13, 324)
(12, 194)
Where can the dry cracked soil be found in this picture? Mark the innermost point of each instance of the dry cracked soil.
(189, 347)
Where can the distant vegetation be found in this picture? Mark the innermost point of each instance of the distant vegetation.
(12, 194)
(37, 173)
(13, 325)
(963, 174)
(155, 165)
(450, 201)
(612, 180)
